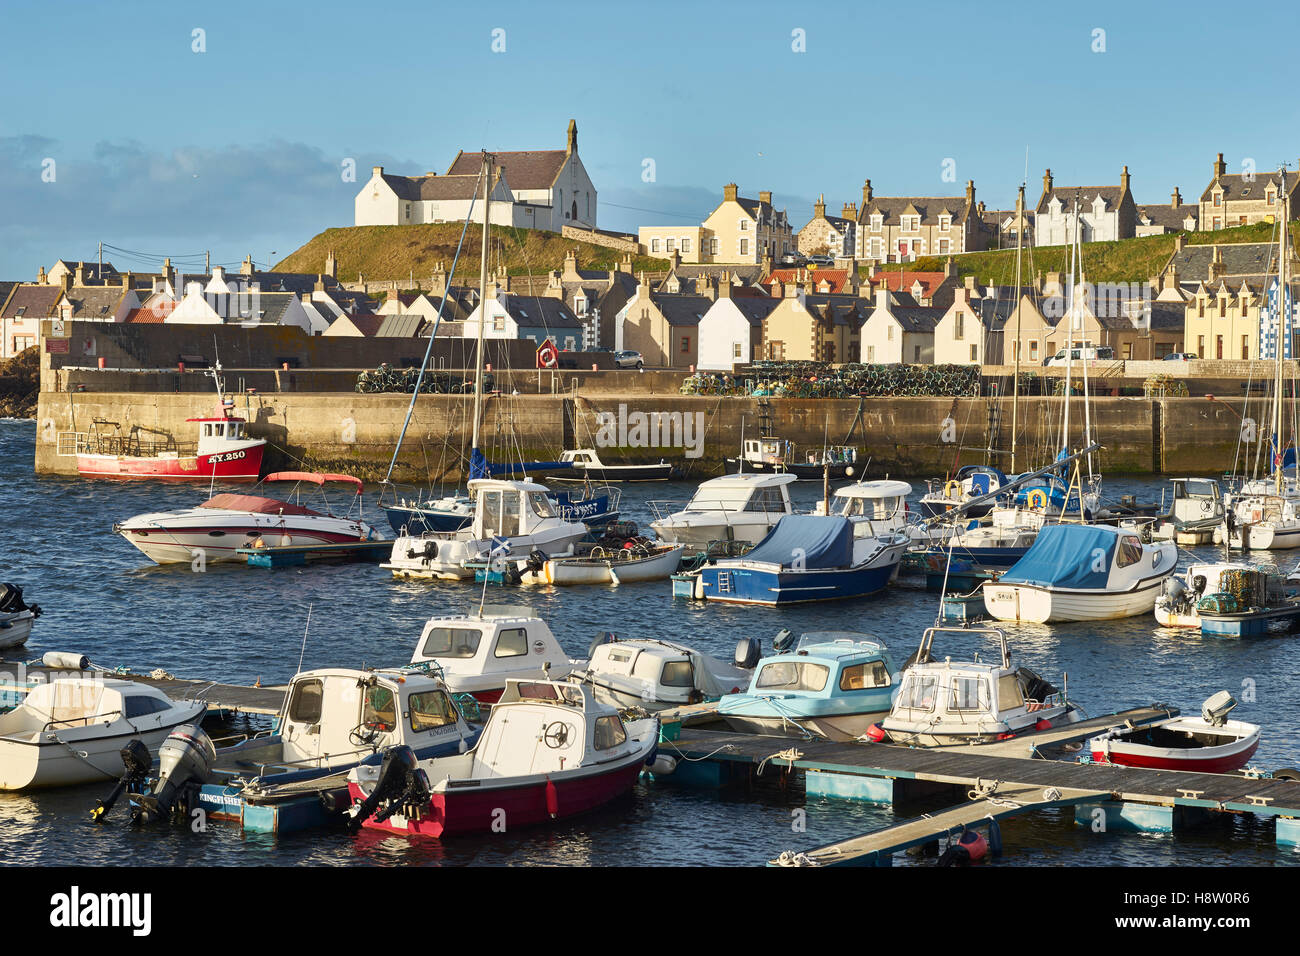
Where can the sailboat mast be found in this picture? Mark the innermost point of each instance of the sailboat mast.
(1283, 327)
(1083, 350)
(1015, 386)
(1069, 334)
(482, 300)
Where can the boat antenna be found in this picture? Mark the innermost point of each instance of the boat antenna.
(303, 653)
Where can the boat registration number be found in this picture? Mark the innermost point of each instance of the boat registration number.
(228, 456)
(999, 595)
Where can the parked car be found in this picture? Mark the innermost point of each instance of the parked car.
(1084, 353)
(821, 261)
(793, 259)
(1180, 356)
(628, 359)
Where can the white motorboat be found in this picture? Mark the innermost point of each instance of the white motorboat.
(655, 675)
(1076, 572)
(641, 562)
(587, 466)
(1177, 604)
(1196, 510)
(1260, 521)
(72, 730)
(477, 653)
(943, 703)
(1207, 744)
(734, 508)
(220, 526)
(516, 518)
(16, 617)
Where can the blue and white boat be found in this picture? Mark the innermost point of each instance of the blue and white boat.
(834, 684)
(806, 558)
(454, 512)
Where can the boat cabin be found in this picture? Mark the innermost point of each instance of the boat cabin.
(764, 494)
(477, 654)
(582, 457)
(767, 451)
(510, 509)
(653, 671)
(875, 507)
(338, 716)
(75, 703)
(217, 435)
(825, 664)
(1195, 500)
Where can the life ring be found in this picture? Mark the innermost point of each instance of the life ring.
(1207, 506)
(952, 490)
(1037, 498)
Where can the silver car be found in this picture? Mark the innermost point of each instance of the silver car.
(628, 359)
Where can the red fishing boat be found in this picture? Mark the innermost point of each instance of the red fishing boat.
(549, 750)
(1207, 744)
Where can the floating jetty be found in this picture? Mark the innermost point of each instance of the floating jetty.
(1112, 797)
(298, 555)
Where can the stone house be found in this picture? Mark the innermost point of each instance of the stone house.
(1178, 216)
(663, 326)
(810, 326)
(102, 303)
(739, 231)
(1106, 213)
(901, 228)
(834, 236)
(971, 330)
(21, 315)
(1241, 199)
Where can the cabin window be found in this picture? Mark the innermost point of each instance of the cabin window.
(864, 676)
(305, 708)
(1010, 695)
(513, 642)
(793, 675)
(381, 709)
(501, 512)
(609, 733)
(139, 705)
(456, 642)
(1129, 552)
(677, 674)
(919, 692)
(542, 506)
(430, 710)
(968, 693)
(766, 499)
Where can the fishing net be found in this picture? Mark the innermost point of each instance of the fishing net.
(818, 380)
(389, 379)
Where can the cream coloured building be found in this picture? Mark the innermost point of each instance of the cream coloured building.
(740, 231)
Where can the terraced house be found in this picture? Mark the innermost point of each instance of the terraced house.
(901, 228)
(830, 235)
(1105, 213)
(1240, 199)
(740, 231)
(663, 326)
(808, 326)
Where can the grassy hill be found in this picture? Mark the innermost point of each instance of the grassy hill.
(394, 252)
(1128, 260)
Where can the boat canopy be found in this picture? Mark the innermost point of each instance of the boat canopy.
(815, 541)
(1067, 556)
(315, 478)
(878, 488)
(256, 505)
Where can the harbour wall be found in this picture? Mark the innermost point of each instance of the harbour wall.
(356, 433)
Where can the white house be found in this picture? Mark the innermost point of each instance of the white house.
(731, 331)
(1106, 213)
(511, 316)
(899, 331)
(533, 189)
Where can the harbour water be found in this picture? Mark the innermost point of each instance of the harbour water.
(104, 599)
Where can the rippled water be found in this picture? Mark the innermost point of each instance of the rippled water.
(104, 599)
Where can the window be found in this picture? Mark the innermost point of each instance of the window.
(1033, 351)
(945, 222)
(677, 674)
(1218, 201)
(1200, 346)
(864, 676)
(670, 245)
(654, 245)
(968, 693)
(871, 353)
(916, 354)
(430, 710)
(943, 246)
(1271, 197)
(889, 333)
(1218, 346)
(736, 350)
(1010, 695)
(713, 247)
(305, 708)
(1218, 223)
(499, 323)
(793, 675)
(744, 247)
(974, 353)
(743, 225)
(455, 642)
(380, 709)
(541, 504)
(1200, 308)
(1245, 346)
(765, 500)
(959, 326)
(686, 245)
(609, 733)
(918, 692)
(876, 222)
(1129, 551)
(513, 642)
(140, 705)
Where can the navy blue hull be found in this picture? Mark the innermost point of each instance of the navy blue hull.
(984, 557)
(741, 585)
(421, 520)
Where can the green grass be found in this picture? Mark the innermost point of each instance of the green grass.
(395, 252)
(1128, 260)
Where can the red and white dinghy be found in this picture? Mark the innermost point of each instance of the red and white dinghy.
(218, 527)
(549, 750)
(1207, 744)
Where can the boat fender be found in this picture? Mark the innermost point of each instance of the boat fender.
(784, 640)
(995, 839)
(747, 653)
(552, 799)
(876, 733)
(976, 846)
(1286, 773)
(608, 637)
(663, 765)
(1043, 724)
(66, 659)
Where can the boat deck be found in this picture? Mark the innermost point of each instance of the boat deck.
(228, 698)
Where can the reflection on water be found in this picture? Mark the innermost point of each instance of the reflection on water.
(102, 598)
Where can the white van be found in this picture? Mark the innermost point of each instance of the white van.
(1082, 353)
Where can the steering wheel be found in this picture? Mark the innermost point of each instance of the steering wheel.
(367, 732)
(556, 735)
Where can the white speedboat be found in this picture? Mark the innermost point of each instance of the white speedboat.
(944, 703)
(1259, 521)
(734, 508)
(655, 675)
(220, 526)
(477, 653)
(16, 617)
(72, 730)
(1078, 572)
(515, 518)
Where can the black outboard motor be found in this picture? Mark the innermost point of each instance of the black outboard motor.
(11, 601)
(747, 653)
(184, 762)
(137, 760)
(536, 560)
(400, 781)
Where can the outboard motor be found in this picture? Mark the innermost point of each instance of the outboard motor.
(536, 560)
(400, 781)
(747, 653)
(1216, 708)
(608, 637)
(137, 760)
(184, 761)
(783, 641)
(11, 601)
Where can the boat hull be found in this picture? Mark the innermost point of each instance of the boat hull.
(408, 519)
(655, 567)
(841, 728)
(15, 629)
(659, 472)
(238, 465)
(1039, 605)
(218, 538)
(736, 584)
(1227, 757)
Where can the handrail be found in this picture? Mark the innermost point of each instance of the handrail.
(69, 720)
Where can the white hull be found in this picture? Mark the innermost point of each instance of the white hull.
(15, 629)
(842, 728)
(453, 550)
(1262, 537)
(215, 534)
(698, 533)
(1168, 618)
(611, 571)
(1039, 605)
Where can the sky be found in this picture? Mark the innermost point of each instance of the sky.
(181, 128)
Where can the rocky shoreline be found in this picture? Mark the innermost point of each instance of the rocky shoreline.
(20, 385)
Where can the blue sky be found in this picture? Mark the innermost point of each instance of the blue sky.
(239, 149)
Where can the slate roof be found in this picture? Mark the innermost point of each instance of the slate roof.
(755, 308)
(32, 302)
(525, 168)
(539, 312)
(919, 319)
(95, 302)
(1239, 259)
(1169, 216)
(6, 287)
(433, 187)
(929, 208)
(1237, 187)
(91, 271)
(681, 309)
(1113, 195)
(747, 273)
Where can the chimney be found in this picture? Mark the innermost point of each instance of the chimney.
(625, 264)
(246, 267)
(791, 289)
(1216, 265)
(729, 192)
(81, 274)
(331, 266)
(969, 285)
(882, 298)
(572, 146)
(777, 289)
(571, 267)
(1220, 167)
(66, 281)
(376, 171)
(709, 286)
(128, 281)
(318, 287)
(1123, 181)
(1175, 199)
(970, 192)
(1047, 181)
(168, 273)
(866, 194)
(1178, 242)
(850, 211)
(949, 268)
(819, 207)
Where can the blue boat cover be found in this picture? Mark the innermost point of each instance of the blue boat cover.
(817, 541)
(1065, 556)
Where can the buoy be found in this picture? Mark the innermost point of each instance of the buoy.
(875, 733)
(66, 659)
(663, 765)
(975, 845)
(552, 799)
(1043, 724)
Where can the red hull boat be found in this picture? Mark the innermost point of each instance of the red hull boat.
(1206, 744)
(244, 464)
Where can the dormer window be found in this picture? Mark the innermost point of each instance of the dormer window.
(1271, 197)
(1245, 192)
(1218, 199)
(945, 223)
(876, 222)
